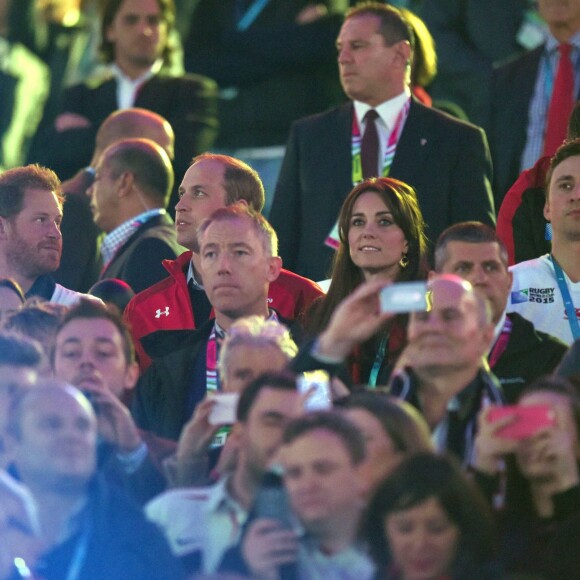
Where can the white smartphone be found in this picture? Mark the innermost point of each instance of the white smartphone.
(224, 410)
(404, 297)
(318, 383)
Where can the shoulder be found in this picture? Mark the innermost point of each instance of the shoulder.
(189, 81)
(182, 502)
(519, 63)
(442, 121)
(533, 267)
(323, 120)
(296, 283)
(174, 268)
(523, 326)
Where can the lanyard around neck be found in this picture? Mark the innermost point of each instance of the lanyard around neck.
(357, 174)
(567, 298)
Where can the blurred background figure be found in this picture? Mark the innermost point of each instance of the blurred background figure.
(20, 363)
(393, 430)
(115, 293)
(38, 321)
(274, 62)
(19, 529)
(24, 88)
(540, 475)
(427, 520)
(11, 296)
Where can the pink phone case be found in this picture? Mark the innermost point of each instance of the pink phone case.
(529, 420)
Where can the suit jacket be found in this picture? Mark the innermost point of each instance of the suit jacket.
(188, 102)
(529, 354)
(512, 90)
(445, 160)
(138, 261)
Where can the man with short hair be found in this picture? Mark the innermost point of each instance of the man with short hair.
(87, 525)
(519, 353)
(93, 351)
(238, 261)
(180, 302)
(526, 121)
(30, 239)
(445, 160)
(80, 264)
(442, 371)
(201, 524)
(546, 290)
(322, 454)
(133, 181)
(135, 44)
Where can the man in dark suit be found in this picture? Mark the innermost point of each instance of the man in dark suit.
(133, 180)
(134, 42)
(521, 94)
(445, 160)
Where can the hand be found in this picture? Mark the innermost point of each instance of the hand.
(67, 121)
(116, 426)
(267, 546)
(197, 433)
(490, 448)
(555, 449)
(311, 13)
(354, 321)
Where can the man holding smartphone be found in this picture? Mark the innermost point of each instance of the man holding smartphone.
(322, 457)
(442, 371)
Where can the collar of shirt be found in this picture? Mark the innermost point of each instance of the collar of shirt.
(552, 44)
(127, 88)
(119, 236)
(497, 330)
(387, 111)
(191, 278)
(220, 497)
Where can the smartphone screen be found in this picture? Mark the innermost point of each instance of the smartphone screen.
(318, 383)
(404, 297)
(528, 420)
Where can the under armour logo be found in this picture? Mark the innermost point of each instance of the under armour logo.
(160, 312)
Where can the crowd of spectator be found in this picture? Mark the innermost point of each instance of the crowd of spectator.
(256, 317)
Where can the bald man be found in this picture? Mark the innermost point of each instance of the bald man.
(87, 524)
(80, 263)
(129, 196)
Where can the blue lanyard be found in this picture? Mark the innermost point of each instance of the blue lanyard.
(251, 14)
(379, 358)
(568, 304)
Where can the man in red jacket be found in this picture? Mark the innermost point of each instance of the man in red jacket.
(179, 301)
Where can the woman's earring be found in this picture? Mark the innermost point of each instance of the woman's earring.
(404, 261)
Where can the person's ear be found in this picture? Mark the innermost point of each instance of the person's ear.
(125, 183)
(274, 267)
(131, 376)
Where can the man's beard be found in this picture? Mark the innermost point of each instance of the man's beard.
(29, 260)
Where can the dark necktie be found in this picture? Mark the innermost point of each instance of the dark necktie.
(561, 102)
(369, 147)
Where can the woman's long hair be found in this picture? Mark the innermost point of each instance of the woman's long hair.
(401, 200)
